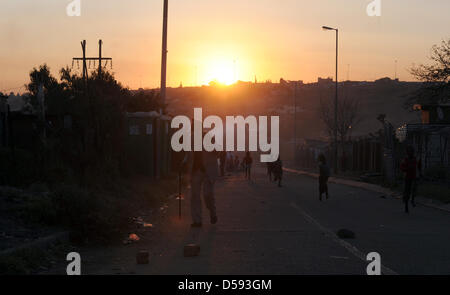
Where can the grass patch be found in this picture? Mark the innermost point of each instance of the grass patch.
(31, 260)
(98, 216)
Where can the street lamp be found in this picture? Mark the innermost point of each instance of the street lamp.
(164, 53)
(325, 28)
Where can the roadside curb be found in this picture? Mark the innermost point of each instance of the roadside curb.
(363, 185)
(41, 243)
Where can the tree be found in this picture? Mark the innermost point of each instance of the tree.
(3, 96)
(143, 101)
(435, 77)
(53, 91)
(348, 117)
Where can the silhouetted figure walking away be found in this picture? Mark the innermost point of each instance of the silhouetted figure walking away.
(409, 166)
(278, 171)
(270, 170)
(324, 174)
(248, 165)
(222, 159)
(236, 162)
(203, 169)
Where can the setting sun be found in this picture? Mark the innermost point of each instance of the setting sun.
(222, 71)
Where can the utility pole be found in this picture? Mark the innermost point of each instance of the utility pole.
(336, 109)
(335, 100)
(395, 76)
(164, 53)
(348, 72)
(295, 122)
(41, 99)
(85, 73)
(100, 58)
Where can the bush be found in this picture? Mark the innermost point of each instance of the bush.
(18, 168)
(23, 261)
(30, 260)
(12, 265)
(89, 215)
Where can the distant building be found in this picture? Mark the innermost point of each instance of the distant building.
(325, 81)
(431, 137)
(386, 81)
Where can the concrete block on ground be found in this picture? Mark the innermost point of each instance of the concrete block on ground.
(191, 250)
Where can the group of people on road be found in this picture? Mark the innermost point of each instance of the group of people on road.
(410, 166)
(230, 163)
(204, 169)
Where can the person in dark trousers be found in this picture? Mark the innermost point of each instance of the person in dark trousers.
(324, 174)
(203, 170)
(270, 170)
(409, 167)
(236, 162)
(222, 159)
(277, 171)
(248, 165)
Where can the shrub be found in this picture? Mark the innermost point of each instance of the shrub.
(18, 168)
(88, 215)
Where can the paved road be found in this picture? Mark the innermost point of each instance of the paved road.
(264, 229)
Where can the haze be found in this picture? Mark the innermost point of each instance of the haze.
(221, 40)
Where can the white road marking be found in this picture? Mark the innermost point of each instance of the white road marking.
(352, 249)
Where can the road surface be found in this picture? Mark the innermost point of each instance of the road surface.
(264, 229)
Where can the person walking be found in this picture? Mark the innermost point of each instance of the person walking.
(203, 169)
(269, 170)
(248, 161)
(409, 167)
(278, 170)
(324, 174)
(236, 163)
(229, 162)
(222, 159)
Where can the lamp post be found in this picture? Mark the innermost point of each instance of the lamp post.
(164, 53)
(335, 100)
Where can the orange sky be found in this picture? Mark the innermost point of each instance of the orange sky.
(224, 40)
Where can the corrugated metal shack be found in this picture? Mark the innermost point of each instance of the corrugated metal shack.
(148, 143)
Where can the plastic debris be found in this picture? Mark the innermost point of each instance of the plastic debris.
(141, 223)
(134, 237)
(131, 238)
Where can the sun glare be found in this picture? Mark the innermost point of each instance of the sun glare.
(223, 72)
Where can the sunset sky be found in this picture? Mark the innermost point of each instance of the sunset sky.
(224, 40)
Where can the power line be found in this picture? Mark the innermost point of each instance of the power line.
(100, 59)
